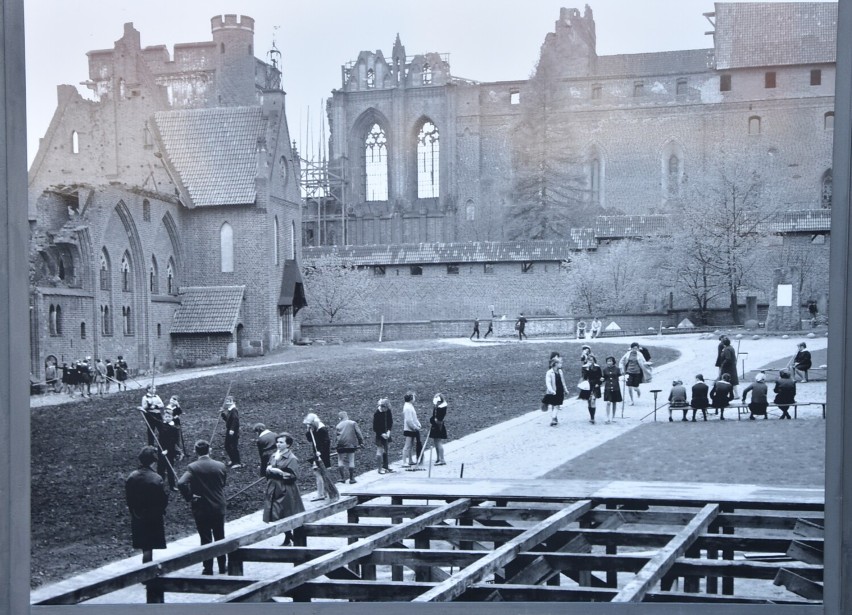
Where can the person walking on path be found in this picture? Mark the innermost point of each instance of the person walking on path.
(266, 445)
(611, 388)
(728, 364)
(320, 441)
(677, 399)
(411, 430)
(475, 329)
(349, 440)
(203, 486)
(699, 399)
(520, 326)
(382, 425)
(759, 397)
(438, 429)
(801, 363)
(593, 375)
(554, 383)
(490, 329)
(231, 416)
(721, 395)
(785, 393)
(282, 498)
(636, 369)
(147, 501)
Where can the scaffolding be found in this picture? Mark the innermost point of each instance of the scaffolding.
(324, 210)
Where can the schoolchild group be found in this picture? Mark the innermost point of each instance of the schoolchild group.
(635, 368)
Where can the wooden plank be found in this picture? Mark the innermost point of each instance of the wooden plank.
(657, 597)
(749, 543)
(762, 521)
(744, 569)
(266, 589)
(804, 552)
(474, 573)
(94, 584)
(812, 590)
(660, 564)
(809, 528)
(198, 584)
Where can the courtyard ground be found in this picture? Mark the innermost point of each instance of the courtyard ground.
(79, 516)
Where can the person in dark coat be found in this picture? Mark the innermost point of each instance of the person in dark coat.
(282, 498)
(110, 374)
(611, 387)
(802, 363)
(320, 441)
(785, 393)
(759, 401)
(699, 399)
(147, 501)
(475, 329)
(382, 425)
(121, 370)
(592, 374)
(719, 350)
(677, 399)
(168, 435)
(438, 429)
(203, 485)
(521, 326)
(721, 395)
(728, 364)
(231, 416)
(266, 445)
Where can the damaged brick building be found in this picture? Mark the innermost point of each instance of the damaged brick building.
(172, 193)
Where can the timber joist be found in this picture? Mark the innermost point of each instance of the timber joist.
(456, 540)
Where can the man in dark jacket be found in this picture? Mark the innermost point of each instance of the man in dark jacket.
(168, 435)
(382, 425)
(203, 485)
(147, 501)
(785, 393)
(265, 445)
(699, 399)
(231, 416)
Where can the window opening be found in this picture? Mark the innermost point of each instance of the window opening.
(376, 164)
(816, 76)
(724, 83)
(428, 152)
(226, 248)
(769, 79)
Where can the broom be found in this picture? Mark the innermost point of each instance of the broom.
(330, 488)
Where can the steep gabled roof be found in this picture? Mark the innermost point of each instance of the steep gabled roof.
(654, 64)
(753, 34)
(208, 309)
(214, 152)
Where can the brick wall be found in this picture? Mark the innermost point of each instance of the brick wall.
(195, 350)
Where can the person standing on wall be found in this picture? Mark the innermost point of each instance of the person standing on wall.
(203, 486)
(147, 501)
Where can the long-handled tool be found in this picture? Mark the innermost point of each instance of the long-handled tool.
(332, 491)
(157, 440)
(246, 488)
(416, 466)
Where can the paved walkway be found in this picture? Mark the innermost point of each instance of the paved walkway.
(526, 446)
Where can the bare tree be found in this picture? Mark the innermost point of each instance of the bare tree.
(337, 288)
(613, 280)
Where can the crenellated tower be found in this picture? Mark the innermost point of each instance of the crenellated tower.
(235, 62)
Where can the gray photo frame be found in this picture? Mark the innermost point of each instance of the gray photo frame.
(14, 418)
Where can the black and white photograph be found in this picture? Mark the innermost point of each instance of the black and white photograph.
(385, 302)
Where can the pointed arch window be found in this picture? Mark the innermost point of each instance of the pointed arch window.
(153, 277)
(595, 181)
(825, 190)
(61, 268)
(127, 320)
(126, 284)
(673, 175)
(427, 74)
(376, 164)
(104, 270)
(75, 142)
(82, 330)
(226, 248)
(106, 321)
(371, 78)
(170, 278)
(428, 158)
(470, 211)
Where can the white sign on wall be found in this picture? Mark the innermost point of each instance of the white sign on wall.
(785, 295)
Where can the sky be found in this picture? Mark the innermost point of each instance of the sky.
(487, 40)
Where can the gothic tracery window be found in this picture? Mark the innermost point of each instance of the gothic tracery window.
(371, 78)
(125, 274)
(674, 175)
(427, 74)
(153, 277)
(428, 158)
(104, 270)
(825, 192)
(171, 288)
(376, 164)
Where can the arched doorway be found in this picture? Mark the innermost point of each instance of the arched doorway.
(239, 339)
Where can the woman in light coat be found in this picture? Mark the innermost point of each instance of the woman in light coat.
(282, 498)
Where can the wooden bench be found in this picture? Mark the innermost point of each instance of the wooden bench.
(743, 408)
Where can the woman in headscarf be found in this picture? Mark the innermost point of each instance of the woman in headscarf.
(282, 493)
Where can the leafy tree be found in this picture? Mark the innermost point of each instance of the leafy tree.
(337, 288)
(549, 193)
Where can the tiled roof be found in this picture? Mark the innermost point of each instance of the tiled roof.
(775, 33)
(214, 151)
(473, 252)
(806, 221)
(208, 309)
(617, 227)
(652, 64)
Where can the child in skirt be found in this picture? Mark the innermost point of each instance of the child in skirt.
(592, 374)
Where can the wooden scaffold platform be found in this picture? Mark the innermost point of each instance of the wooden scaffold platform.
(540, 540)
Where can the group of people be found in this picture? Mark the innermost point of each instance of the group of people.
(593, 331)
(203, 482)
(78, 377)
(596, 381)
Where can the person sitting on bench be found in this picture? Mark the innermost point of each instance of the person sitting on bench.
(759, 391)
(722, 394)
(785, 393)
(802, 363)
